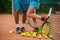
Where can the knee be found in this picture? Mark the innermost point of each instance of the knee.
(28, 14)
(16, 12)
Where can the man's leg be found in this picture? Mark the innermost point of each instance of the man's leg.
(17, 8)
(16, 17)
(23, 22)
(24, 6)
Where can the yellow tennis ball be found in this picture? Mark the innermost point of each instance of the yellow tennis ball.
(39, 36)
(28, 35)
(23, 34)
(43, 32)
(51, 36)
(11, 31)
(27, 32)
(45, 36)
(34, 35)
(34, 32)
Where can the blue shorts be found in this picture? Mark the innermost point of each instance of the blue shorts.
(21, 5)
(36, 4)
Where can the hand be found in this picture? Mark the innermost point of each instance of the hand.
(43, 18)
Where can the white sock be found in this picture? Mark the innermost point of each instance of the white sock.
(23, 24)
(17, 25)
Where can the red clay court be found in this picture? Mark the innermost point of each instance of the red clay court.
(7, 23)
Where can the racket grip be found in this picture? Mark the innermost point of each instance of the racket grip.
(43, 18)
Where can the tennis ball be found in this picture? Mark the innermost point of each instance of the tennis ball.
(51, 36)
(34, 36)
(23, 34)
(28, 35)
(45, 36)
(43, 32)
(39, 36)
(11, 31)
(27, 32)
(34, 32)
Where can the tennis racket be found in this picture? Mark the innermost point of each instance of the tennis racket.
(46, 26)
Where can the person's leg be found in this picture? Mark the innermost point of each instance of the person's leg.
(24, 5)
(34, 19)
(30, 13)
(32, 7)
(16, 15)
(23, 22)
(35, 22)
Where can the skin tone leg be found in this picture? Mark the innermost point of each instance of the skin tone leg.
(16, 16)
(35, 22)
(24, 17)
(34, 19)
(30, 13)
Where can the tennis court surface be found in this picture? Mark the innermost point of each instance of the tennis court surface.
(7, 23)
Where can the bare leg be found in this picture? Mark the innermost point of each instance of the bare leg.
(30, 13)
(35, 23)
(23, 22)
(16, 16)
(34, 16)
(34, 19)
(24, 17)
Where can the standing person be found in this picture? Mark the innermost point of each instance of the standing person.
(34, 4)
(18, 6)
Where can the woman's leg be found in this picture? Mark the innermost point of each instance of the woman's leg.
(34, 19)
(30, 13)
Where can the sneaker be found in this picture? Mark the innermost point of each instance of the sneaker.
(18, 30)
(23, 29)
(35, 29)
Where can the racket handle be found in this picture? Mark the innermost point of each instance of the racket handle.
(50, 11)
